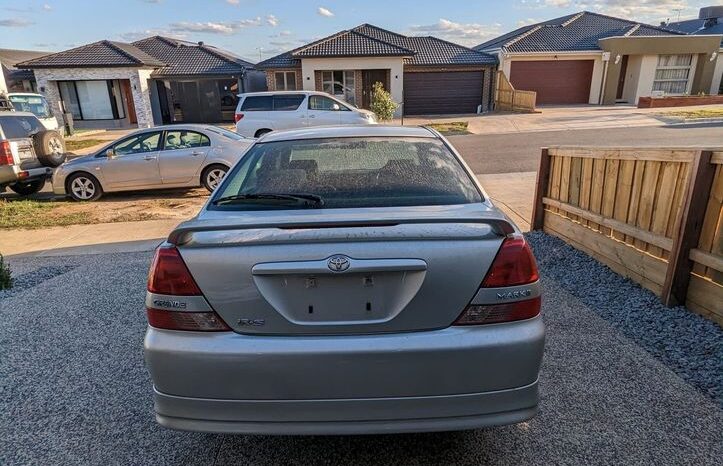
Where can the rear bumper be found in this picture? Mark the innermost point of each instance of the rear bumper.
(448, 379)
(348, 416)
(10, 174)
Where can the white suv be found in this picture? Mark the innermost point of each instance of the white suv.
(258, 113)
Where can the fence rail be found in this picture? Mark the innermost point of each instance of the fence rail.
(651, 214)
(507, 98)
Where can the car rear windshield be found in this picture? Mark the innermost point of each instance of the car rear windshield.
(346, 172)
(31, 103)
(19, 126)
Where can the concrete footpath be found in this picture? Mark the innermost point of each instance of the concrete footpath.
(511, 192)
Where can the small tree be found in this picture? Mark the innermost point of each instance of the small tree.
(382, 104)
(6, 278)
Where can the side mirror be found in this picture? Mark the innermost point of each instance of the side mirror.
(335, 107)
(110, 154)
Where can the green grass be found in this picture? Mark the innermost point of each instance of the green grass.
(451, 128)
(33, 214)
(82, 144)
(696, 114)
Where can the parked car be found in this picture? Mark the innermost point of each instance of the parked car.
(36, 104)
(258, 113)
(173, 156)
(28, 152)
(345, 280)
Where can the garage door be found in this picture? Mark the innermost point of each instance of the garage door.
(442, 93)
(556, 82)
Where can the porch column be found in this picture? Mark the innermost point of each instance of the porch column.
(142, 97)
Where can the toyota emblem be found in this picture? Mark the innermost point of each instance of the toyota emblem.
(338, 263)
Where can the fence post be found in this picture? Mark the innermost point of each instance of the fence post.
(677, 277)
(543, 180)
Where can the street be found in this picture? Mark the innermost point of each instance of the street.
(509, 153)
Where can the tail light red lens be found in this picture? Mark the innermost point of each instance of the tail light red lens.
(6, 154)
(237, 117)
(513, 265)
(188, 321)
(478, 314)
(169, 274)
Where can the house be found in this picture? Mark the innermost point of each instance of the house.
(589, 58)
(425, 75)
(13, 79)
(156, 80)
(709, 22)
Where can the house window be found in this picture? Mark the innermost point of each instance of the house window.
(673, 73)
(339, 84)
(285, 80)
(92, 100)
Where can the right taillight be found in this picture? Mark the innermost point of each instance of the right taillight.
(513, 266)
(237, 117)
(6, 153)
(170, 278)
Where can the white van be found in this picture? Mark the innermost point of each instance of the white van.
(258, 113)
(35, 104)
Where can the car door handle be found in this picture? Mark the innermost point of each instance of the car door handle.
(196, 153)
(149, 157)
(312, 116)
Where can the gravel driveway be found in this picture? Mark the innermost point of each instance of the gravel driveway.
(73, 389)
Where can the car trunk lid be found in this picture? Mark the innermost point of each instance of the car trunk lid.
(400, 269)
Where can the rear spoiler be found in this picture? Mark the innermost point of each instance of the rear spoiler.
(181, 234)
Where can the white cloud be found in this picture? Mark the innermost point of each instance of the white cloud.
(133, 36)
(210, 27)
(47, 7)
(324, 12)
(232, 2)
(272, 20)
(527, 22)
(462, 33)
(651, 11)
(15, 23)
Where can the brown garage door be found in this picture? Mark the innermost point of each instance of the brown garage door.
(443, 92)
(555, 81)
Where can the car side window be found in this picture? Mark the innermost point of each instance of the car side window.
(146, 142)
(257, 103)
(319, 102)
(185, 140)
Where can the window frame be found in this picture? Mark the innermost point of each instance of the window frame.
(660, 67)
(162, 144)
(158, 148)
(286, 80)
(349, 88)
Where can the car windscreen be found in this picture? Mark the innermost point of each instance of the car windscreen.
(31, 103)
(344, 173)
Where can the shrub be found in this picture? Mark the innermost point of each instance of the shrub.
(382, 104)
(6, 278)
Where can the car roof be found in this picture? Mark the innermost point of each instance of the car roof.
(320, 132)
(180, 127)
(14, 113)
(247, 94)
(33, 94)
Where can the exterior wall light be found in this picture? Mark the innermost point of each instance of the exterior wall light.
(618, 57)
(713, 56)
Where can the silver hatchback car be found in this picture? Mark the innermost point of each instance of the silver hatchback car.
(345, 280)
(173, 156)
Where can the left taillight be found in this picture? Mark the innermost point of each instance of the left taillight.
(6, 153)
(238, 117)
(514, 266)
(169, 276)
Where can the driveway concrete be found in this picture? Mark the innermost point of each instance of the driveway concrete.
(559, 118)
(74, 390)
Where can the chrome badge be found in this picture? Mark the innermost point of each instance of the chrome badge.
(338, 263)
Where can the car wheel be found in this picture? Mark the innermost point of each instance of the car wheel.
(261, 132)
(83, 187)
(28, 188)
(49, 148)
(212, 176)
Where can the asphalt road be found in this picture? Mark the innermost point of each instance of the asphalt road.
(74, 389)
(520, 152)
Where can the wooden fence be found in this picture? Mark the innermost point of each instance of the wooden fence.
(507, 98)
(651, 214)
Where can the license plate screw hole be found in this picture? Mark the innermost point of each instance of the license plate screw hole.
(369, 306)
(311, 309)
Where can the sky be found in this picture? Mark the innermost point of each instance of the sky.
(259, 29)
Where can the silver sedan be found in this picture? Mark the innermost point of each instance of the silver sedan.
(174, 156)
(345, 280)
